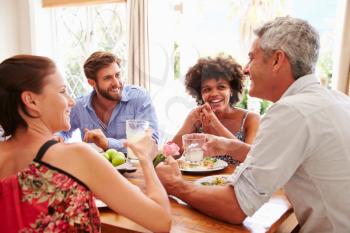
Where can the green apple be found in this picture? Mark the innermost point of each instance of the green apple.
(106, 156)
(116, 157)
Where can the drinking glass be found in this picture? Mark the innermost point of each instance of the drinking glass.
(192, 144)
(135, 129)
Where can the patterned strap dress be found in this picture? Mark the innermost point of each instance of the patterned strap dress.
(43, 198)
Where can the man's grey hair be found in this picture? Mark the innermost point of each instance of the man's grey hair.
(296, 37)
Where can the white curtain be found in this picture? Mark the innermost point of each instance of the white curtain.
(342, 57)
(55, 3)
(138, 62)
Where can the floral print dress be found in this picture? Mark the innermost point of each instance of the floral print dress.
(42, 198)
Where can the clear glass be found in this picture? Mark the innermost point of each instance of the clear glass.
(192, 144)
(135, 129)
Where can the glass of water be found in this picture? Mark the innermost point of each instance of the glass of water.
(192, 144)
(135, 129)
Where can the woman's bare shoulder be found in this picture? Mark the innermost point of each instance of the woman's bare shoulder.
(249, 113)
(252, 119)
(253, 115)
(70, 153)
(72, 148)
(76, 159)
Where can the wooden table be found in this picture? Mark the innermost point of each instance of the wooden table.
(186, 219)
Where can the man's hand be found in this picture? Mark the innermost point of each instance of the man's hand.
(96, 136)
(169, 173)
(216, 145)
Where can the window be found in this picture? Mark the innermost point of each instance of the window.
(180, 32)
(188, 29)
(80, 31)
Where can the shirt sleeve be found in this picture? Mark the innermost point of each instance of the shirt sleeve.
(116, 144)
(277, 152)
(146, 111)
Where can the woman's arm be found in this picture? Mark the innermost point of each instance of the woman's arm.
(150, 209)
(145, 149)
(189, 126)
(251, 126)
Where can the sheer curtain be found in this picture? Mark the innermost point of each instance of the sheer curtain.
(342, 61)
(138, 62)
(55, 3)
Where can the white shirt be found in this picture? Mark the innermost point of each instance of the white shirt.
(303, 144)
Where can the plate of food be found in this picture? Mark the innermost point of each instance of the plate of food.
(217, 180)
(208, 164)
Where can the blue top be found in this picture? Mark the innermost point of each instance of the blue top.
(134, 104)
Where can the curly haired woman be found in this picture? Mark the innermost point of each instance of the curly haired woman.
(216, 84)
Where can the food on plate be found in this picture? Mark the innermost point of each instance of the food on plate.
(219, 180)
(114, 156)
(207, 163)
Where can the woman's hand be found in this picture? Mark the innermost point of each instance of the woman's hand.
(193, 120)
(195, 115)
(207, 116)
(145, 148)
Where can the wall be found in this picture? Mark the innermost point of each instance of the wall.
(9, 39)
(15, 28)
(25, 28)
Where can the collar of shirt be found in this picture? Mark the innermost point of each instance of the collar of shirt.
(125, 97)
(300, 84)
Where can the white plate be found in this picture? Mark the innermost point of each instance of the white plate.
(188, 167)
(211, 180)
(96, 147)
(126, 167)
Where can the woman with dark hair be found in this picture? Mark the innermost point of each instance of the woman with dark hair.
(216, 84)
(47, 186)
